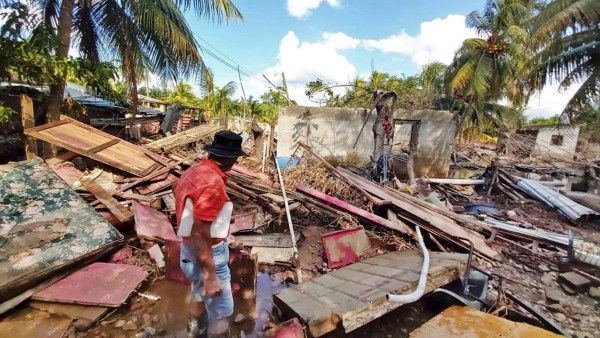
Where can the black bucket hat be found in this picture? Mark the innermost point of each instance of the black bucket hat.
(226, 144)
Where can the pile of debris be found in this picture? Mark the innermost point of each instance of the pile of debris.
(89, 245)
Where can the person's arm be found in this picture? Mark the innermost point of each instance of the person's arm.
(202, 247)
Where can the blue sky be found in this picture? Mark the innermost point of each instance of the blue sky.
(336, 40)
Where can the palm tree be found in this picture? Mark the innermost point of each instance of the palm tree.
(150, 34)
(566, 34)
(493, 66)
(183, 94)
(219, 102)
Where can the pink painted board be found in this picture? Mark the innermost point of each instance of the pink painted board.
(67, 172)
(101, 284)
(152, 224)
(349, 208)
(345, 246)
(243, 170)
(244, 222)
(290, 329)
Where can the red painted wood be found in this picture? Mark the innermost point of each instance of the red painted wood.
(152, 224)
(345, 246)
(347, 207)
(102, 284)
(243, 170)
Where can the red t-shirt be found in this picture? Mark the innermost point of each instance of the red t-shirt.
(204, 184)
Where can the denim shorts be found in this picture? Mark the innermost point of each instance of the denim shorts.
(220, 306)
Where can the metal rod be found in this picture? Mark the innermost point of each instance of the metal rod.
(289, 219)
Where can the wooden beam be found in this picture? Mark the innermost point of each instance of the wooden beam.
(120, 211)
(28, 121)
(45, 126)
(363, 214)
(102, 146)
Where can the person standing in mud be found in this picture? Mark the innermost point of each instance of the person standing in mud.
(203, 211)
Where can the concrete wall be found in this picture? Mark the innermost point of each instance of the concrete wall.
(333, 132)
(566, 151)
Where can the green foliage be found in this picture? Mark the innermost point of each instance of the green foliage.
(546, 121)
(5, 113)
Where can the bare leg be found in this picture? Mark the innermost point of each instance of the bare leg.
(197, 309)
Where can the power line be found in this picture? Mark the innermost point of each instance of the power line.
(233, 65)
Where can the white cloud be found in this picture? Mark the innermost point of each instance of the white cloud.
(301, 8)
(550, 101)
(305, 62)
(340, 40)
(437, 40)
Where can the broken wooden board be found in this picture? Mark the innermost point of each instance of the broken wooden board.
(32, 199)
(355, 295)
(98, 284)
(95, 144)
(432, 221)
(267, 255)
(363, 214)
(91, 313)
(186, 137)
(465, 322)
(157, 186)
(243, 222)
(278, 240)
(169, 200)
(345, 246)
(173, 262)
(152, 224)
(39, 328)
(289, 329)
(119, 210)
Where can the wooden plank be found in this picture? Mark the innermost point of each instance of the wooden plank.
(46, 126)
(39, 328)
(120, 211)
(157, 186)
(363, 214)
(393, 217)
(91, 313)
(426, 217)
(28, 121)
(465, 322)
(102, 146)
(267, 255)
(61, 158)
(137, 197)
(152, 224)
(100, 284)
(281, 240)
(95, 144)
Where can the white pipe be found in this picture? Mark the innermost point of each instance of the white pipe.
(418, 293)
(457, 181)
(289, 217)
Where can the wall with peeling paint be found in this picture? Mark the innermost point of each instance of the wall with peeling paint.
(333, 131)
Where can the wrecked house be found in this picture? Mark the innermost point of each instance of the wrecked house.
(336, 134)
(556, 141)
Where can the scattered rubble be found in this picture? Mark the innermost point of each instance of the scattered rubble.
(94, 210)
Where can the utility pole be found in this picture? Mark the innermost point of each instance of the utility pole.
(243, 93)
(287, 94)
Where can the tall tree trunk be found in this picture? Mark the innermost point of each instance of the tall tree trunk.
(132, 85)
(57, 89)
(463, 117)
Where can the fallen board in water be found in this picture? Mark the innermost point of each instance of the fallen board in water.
(101, 284)
(465, 322)
(91, 313)
(354, 295)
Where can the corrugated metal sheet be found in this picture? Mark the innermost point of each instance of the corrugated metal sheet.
(569, 208)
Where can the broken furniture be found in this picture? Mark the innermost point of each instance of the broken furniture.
(356, 294)
(45, 228)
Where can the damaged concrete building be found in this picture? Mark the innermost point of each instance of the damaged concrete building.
(556, 141)
(336, 133)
